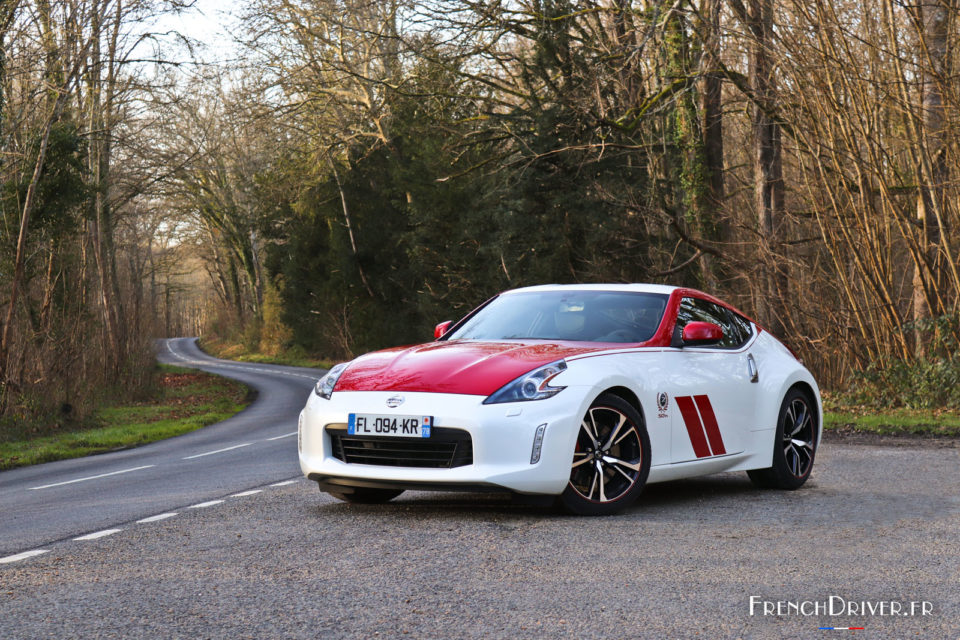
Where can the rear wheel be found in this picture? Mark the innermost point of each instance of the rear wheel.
(362, 495)
(611, 459)
(795, 445)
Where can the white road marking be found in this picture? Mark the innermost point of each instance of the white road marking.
(210, 453)
(204, 505)
(244, 494)
(284, 483)
(24, 555)
(160, 516)
(102, 475)
(99, 534)
(286, 435)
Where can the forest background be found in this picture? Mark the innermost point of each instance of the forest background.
(361, 170)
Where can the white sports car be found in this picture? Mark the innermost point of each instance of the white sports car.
(586, 392)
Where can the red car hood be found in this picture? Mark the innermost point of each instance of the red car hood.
(473, 368)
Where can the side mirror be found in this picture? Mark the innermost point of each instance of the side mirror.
(442, 328)
(701, 334)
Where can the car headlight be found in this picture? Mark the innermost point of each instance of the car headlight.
(530, 386)
(325, 385)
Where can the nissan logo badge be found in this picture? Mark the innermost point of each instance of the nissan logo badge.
(394, 401)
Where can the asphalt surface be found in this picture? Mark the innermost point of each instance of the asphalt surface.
(50, 502)
(874, 523)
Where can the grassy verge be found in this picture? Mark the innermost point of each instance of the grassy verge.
(228, 350)
(892, 422)
(185, 400)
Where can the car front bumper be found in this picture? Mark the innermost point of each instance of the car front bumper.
(502, 438)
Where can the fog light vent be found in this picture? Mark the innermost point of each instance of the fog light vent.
(537, 444)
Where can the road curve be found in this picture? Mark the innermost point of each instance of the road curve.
(46, 503)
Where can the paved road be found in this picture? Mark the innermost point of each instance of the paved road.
(875, 523)
(51, 502)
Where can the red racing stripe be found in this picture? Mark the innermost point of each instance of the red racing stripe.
(694, 429)
(710, 424)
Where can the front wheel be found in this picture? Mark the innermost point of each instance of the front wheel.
(795, 444)
(611, 459)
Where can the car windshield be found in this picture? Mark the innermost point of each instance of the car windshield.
(580, 316)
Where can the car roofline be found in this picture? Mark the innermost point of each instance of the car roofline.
(633, 287)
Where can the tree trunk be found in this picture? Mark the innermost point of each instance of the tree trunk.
(346, 218)
(257, 273)
(49, 285)
(767, 167)
(220, 282)
(713, 133)
(684, 156)
(153, 279)
(928, 278)
(7, 11)
(237, 291)
(166, 309)
(102, 223)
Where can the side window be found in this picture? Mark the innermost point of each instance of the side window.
(741, 326)
(736, 331)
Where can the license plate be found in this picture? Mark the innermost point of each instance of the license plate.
(373, 424)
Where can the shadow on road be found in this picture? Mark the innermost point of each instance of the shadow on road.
(680, 494)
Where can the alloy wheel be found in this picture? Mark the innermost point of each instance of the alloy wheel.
(798, 437)
(608, 458)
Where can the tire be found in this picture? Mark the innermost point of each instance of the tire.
(362, 495)
(611, 459)
(795, 445)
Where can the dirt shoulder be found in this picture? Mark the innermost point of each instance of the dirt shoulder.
(851, 436)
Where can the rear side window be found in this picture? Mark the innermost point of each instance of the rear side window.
(741, 327)
(736, 330)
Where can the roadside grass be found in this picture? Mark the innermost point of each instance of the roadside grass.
(844, 418)
(230, 350)
(185, 400)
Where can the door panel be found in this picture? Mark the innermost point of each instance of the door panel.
(711, 388)
(714, 399)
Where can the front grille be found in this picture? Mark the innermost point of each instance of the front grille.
(444, 449)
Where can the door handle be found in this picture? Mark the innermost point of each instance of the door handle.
(752, 368)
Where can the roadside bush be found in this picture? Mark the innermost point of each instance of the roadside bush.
(930, 382)
(275, 336)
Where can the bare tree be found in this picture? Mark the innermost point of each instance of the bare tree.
(937, 256)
